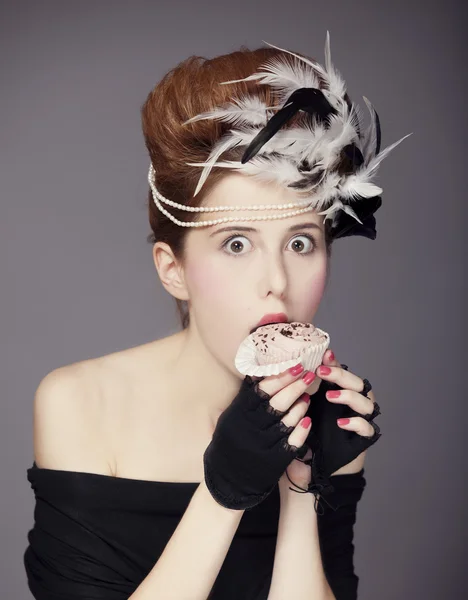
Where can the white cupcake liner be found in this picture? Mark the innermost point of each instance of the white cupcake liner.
(310, 357)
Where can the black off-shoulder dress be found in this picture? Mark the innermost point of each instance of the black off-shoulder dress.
(96, 537)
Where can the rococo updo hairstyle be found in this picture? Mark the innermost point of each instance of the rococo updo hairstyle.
(190, 88)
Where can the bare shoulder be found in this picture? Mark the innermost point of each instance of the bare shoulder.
(77, 407)
(66, 420)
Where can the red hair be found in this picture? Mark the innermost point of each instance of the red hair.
(190, 88)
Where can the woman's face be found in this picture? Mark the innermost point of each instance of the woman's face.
(235, 277)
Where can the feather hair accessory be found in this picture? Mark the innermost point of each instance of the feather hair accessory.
(327, 159)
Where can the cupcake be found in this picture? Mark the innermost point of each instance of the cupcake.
(273, 348)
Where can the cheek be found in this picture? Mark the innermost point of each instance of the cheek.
(215, 297)
(310, 289)
(209, 282)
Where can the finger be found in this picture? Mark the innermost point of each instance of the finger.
(298, 437)
(329, 359)
(272, 384)
(342, 377)
(357, 424)
(354, 400)
(285, 398)
(297, 410)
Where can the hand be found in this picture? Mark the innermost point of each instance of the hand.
(298, 471)
(350, 394)
(256, 437)
(287, 397)
(351, 385)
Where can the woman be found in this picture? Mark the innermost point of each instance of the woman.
(141, 487)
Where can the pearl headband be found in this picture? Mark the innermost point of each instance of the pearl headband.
(327, 157)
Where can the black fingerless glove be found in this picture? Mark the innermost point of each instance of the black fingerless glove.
(249, 451)
(332, 446)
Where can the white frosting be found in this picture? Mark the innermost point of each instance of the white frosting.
(285, 338)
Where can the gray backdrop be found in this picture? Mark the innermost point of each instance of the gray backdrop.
(77, 277)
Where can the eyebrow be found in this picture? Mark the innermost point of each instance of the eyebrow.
(243, 228)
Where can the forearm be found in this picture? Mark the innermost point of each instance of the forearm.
(298, 570)
(192, 559)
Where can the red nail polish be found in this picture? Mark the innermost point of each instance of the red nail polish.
(333, 394)
(296, 369)
(332, 356)
(343, 421)
(325, 370)
(308, 377)
(306, 422)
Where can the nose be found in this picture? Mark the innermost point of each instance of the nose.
(274, 277)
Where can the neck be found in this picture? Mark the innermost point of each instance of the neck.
(201, 382)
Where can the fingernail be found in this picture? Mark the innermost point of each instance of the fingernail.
(343, 421)
(331, 356)
(324, 370)
(296, 369)
(308, 377)
(305, 397)
(306, 421)
(333, 394)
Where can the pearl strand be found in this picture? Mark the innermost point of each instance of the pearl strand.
(158, 196)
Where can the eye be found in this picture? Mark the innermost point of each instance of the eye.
(228, 243)
(310, 239)
(231, 239)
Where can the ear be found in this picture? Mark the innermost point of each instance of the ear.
(170, 271)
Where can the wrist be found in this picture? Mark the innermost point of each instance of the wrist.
(297, 501)
(229, 513)
(293, 491)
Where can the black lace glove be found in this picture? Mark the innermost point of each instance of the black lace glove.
(333, 447)
(249, 451)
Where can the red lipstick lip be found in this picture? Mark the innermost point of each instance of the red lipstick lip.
(271, 318)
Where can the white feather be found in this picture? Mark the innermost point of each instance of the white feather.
(326, 144)
(228, 164)
(278, 170)
(279, 158)
(284, 76)
(370, 136)
(308, 147)
(226, 142)
(338, 85)
(359, 120)
(339, 134)
(299, 142)
(355, 186)
(333, 208)
(333, 81)
(371, 168)
(247, 109)
(265, 169)
(328, 190)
